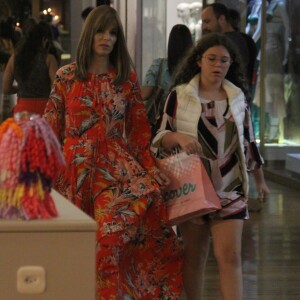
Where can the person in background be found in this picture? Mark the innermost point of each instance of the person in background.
(8, 40)
(33, 69)
(27, 25)
(179, 42)
(96, 110)
(7, 43)
(235, 21)
(103, 2)
(215, 18)
(86, 12)
(208, 115)
(10, 31)
(56, 47)
(4, 57)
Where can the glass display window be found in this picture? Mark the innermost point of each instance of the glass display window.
(274, 26)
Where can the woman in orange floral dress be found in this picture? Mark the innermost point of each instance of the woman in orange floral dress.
(95, 109)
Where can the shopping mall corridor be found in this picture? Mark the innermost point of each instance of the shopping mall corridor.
(271, 250)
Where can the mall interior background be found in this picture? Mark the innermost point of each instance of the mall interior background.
(147, 24)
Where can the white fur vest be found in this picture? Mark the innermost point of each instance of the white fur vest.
(189, 111)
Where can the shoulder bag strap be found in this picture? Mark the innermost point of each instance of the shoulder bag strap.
(159, 72)
(151, 104)
(157, 102)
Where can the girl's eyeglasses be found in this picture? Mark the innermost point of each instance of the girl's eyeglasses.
(212, 60)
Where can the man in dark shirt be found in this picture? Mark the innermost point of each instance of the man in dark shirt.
(216, 18)
(235, 21)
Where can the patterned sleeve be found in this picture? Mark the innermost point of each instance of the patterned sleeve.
(138, 132)
(253, 158)
(152, 73)
(55, 109)
(167, 123)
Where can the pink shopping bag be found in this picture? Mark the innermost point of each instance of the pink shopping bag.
(190, 193)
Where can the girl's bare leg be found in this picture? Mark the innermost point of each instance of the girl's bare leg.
(227, 240)
(196, 246)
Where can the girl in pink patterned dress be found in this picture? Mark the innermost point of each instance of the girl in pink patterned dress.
(207, 114)
(95, 109)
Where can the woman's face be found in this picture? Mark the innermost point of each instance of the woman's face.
(215, 63)
(104, 41)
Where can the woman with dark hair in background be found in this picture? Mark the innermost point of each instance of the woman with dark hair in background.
(33, 69)
(8, 40)
(27, 25)
(180, 41)
(86, 12)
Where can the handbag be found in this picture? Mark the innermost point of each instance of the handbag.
(190, 192)
(154, 103)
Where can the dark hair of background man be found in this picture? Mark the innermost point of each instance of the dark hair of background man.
(102, 2)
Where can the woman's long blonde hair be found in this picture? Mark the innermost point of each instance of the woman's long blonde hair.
(101, 18)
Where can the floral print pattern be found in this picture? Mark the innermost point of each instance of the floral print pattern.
(105, 136)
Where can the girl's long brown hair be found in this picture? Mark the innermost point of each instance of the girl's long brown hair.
(189, 68)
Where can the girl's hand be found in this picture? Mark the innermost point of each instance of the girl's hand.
(261, 186)
(162, 179)
(189, 144)
(263, 191)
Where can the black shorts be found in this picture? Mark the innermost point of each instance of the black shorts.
(242, 215)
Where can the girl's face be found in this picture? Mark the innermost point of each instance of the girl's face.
(215, 63)
(104, 41)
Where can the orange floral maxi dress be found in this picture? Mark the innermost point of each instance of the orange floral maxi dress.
(109, 175)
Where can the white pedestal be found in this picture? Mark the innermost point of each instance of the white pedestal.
(64, 247)
(292, 162)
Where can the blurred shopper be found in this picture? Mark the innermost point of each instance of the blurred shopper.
(8, 39)
(235, 21)
(56, 47)
(27, 25)
(86, 12)
(216, 18)
(103, 2)
(33, 69)
(180, 41)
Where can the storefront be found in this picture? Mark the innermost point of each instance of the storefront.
(274, 26)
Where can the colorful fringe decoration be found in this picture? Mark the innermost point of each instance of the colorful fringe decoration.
(30, 156)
